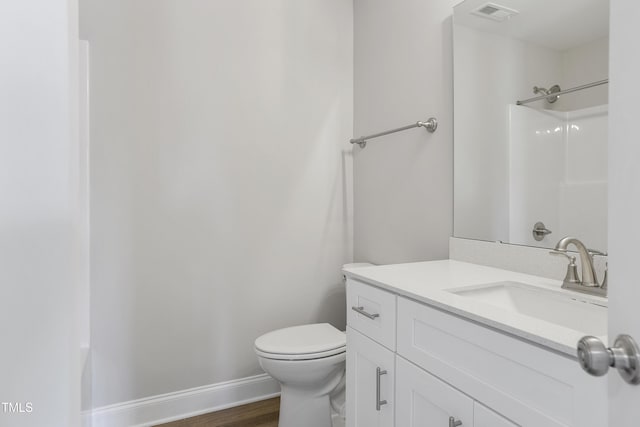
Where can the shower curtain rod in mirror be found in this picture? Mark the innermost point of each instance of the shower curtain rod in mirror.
(562, 92)
(431, 124)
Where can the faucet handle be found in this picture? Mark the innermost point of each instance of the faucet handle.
(605, 285)
(593, 252)
(572, 269)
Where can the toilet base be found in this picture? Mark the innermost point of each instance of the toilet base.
(302, 408)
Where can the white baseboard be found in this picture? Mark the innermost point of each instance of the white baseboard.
(187, 403)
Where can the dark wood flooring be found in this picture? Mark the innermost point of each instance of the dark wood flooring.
(257, 414)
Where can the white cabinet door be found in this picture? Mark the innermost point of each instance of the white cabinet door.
(423, 400)
(370, 382)
(485, 417)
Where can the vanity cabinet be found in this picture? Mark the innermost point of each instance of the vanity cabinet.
(441, 365)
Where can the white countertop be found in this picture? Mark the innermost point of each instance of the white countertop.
(429, 281)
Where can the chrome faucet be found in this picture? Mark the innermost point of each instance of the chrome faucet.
(588, 281)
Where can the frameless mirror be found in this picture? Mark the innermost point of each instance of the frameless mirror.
(543, 164)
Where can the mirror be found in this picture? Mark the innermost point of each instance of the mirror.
(544, 162)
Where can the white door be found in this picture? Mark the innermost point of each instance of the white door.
(370, 382)
(40, 349)
(423, 400)
(624, 199)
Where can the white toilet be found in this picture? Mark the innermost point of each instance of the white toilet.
(309, 363)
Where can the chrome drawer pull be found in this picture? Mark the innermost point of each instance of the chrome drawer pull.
(379, 403)
(454, 423)
(364, 313)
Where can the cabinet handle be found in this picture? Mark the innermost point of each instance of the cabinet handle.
(364, 313)
(379, 403)
(454, 423)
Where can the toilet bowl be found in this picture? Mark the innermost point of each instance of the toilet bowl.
(309, 363)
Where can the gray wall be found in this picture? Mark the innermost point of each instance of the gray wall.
(403, 183)
(221, 183)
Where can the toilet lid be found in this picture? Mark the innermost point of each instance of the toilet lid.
(319, 339)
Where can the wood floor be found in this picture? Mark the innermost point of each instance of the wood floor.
(258, 414)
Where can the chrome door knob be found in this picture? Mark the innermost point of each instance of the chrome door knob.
(596, 359)
(593, 356)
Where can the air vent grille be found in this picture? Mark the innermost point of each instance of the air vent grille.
(494, 12)
(488, 10)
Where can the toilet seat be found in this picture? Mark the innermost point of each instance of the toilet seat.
(306, 356)
(304, 342)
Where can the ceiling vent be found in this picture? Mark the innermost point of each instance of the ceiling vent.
(494, 12)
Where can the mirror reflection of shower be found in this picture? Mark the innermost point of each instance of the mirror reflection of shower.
(542, 91)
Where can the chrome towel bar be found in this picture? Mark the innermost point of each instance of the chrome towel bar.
(431, 124)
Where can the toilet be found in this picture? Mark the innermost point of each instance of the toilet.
(309, 363)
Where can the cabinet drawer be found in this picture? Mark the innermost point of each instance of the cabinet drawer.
(525, 383)
(372, 312)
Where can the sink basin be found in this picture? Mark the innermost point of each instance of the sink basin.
(577, 312)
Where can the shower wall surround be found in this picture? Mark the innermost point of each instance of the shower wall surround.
(557, 169)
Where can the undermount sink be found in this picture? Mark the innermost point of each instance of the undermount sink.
(577, 312)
